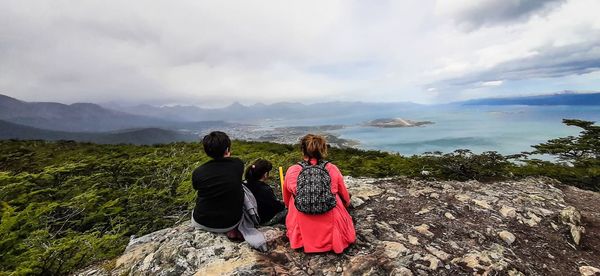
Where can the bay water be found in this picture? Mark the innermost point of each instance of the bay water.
(505, 129)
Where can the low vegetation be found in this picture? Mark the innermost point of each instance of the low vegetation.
(66, 205)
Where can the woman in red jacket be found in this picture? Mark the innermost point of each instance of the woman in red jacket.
(329, 231)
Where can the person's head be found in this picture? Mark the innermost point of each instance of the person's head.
(259, 170)
(313, 146)
(217, 145)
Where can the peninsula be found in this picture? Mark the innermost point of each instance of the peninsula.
(396, 122)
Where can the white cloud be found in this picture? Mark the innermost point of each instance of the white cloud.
(492, 83)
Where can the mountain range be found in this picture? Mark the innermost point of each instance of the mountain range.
(237, 112)
(146, 124)
(145, 136)
(73, 117)
(564, 98)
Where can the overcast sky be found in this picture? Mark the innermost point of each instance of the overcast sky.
(212, 53)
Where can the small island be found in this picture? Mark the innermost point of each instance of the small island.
(396, 122)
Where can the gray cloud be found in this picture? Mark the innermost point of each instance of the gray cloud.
(549, 62)
(473, 14)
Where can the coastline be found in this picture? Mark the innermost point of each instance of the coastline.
(291, 135)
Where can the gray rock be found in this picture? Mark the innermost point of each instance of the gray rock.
(508, 212)
(356, 202)
(394, 249)
(507, 237)
(423, 229)
(570, 215)
(413, 240)
(401, 271)
(576, 233)
(589, 271)
(438, 253)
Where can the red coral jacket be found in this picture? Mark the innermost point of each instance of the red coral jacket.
(333, 230)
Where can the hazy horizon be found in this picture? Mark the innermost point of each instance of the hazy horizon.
(110, 104)
(212, 54)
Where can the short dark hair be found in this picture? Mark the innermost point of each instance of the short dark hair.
(256, 171)
(216, 144)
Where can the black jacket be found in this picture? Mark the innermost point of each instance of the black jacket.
(268, 205)
(220, 195)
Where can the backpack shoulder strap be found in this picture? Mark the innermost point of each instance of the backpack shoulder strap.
(304, 164)
(322, 164)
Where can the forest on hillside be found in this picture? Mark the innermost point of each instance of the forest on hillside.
(65, 205)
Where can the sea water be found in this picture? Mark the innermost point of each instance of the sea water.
(505, 129)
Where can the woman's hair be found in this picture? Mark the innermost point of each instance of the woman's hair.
(257, 170)
(216, 144)
(314, 146)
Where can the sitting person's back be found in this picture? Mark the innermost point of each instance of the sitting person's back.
(317, 218)
(270, 210)
(220, 196)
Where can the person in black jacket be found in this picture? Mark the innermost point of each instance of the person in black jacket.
(270, 210)
(218, 182)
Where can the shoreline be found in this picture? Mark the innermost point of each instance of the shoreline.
(291, 135)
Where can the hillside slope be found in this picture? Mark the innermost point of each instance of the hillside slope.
(145, 136)
(404, 227)
(73, 117)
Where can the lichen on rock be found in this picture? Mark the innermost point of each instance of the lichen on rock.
(427, 228)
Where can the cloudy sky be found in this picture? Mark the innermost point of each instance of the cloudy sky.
(212, 53)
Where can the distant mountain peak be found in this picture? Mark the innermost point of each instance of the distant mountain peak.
(86, 105)
(236, 105)
(8, 99)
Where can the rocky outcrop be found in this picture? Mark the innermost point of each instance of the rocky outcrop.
(404, 227)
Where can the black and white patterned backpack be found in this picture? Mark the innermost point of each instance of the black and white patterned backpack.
(313, 191)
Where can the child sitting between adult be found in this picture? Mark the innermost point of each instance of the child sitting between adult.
(270, 210)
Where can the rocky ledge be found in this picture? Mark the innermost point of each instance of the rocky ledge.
(405, 227)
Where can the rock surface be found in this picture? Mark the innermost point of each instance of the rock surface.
(507, 237)
(461, 230)
(589, 271)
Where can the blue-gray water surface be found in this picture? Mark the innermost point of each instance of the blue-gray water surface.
(505, 129)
